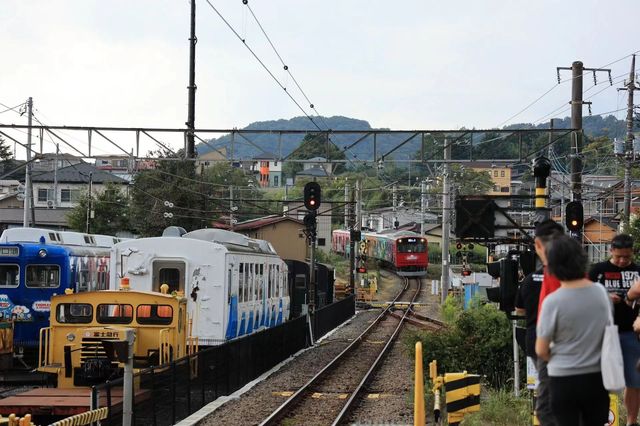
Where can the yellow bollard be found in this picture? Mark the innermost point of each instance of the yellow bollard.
(418, 395)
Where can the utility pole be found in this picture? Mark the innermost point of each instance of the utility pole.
(446, 212)
(231, 206)
(55, 178)
(28, 188)
(352, 243)
(423, 198)
(203, 221)
(346, 206)
(394, 191)
(89, 203)
(577, 70)
(629, 155)
(358, 206)
(191, 150)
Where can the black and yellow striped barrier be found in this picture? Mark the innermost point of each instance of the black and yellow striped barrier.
(84, 418)
(462, 395)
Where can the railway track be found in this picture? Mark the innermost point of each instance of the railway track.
(330, 395)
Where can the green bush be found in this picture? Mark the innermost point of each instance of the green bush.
(501, 408)
(477, 340)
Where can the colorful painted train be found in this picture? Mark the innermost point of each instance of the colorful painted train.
(234, 285)
(36, 264)
(404, 251)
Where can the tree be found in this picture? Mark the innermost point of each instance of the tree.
(110, 212)
(165, 196)
(5, 151)
(314, 145)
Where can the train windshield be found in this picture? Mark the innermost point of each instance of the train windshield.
(74, 313)
(411, 245)
(43, 276)
(114, 314)
(9, 275)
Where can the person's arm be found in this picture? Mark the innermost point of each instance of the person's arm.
(545, 329)
(634, 293)
(543, 348)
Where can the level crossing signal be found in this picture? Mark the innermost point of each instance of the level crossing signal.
(312, 195)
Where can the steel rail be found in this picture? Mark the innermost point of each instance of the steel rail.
(286, 406)
(354, 395)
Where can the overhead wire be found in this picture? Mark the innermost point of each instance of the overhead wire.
(282, 86)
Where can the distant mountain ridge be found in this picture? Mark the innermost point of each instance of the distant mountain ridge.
(261, 143)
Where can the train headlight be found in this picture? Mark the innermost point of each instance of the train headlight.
(42, 253)
(71, 337)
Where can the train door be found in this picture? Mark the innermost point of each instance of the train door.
(232, 292)
(171, 272)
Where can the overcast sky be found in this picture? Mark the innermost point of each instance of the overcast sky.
(402, 64)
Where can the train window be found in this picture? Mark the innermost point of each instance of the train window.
(269, 280)
(74, 313)
(168, 272)
(114, 314)
(412, 247)
(229, 278)
(261, 282)
(43, 276)
(154, 314)
(9, 275)
(241, 284)
(277, 280)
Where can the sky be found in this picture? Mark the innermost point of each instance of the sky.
(408, 64)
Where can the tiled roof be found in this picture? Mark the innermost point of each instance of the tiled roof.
(262, 222)
(79, 173)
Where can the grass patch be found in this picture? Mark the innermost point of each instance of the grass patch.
(501, 408)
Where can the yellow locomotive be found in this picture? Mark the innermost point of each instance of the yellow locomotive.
(73, 347)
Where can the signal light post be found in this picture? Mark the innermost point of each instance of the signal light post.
(312, 199)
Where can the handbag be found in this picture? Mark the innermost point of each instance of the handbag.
(611, 361)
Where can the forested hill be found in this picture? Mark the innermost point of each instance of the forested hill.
(594, 126)
(250, 145)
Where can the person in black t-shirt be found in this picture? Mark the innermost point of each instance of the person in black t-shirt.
(617, 275)
(527, 305)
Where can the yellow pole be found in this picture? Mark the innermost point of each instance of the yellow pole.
(418, 396)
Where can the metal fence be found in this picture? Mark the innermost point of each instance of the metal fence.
(329, 317)
(169, 393)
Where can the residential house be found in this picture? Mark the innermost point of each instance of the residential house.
(385, 217)
(297, 210)
(9, 190)
(51, 161)
(123, 166)
(500, 173)
(284, 233)
(598, 232)
(316, 167)
(63, 187)
(268, 169)
(208, 159)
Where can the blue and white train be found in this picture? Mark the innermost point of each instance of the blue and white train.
(234, 285)
(36, 264)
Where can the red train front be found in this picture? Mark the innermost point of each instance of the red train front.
(404, 251)
(410, 254)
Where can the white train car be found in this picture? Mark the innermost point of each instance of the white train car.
(235, 285)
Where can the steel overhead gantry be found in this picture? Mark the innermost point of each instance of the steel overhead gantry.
(131, 146)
